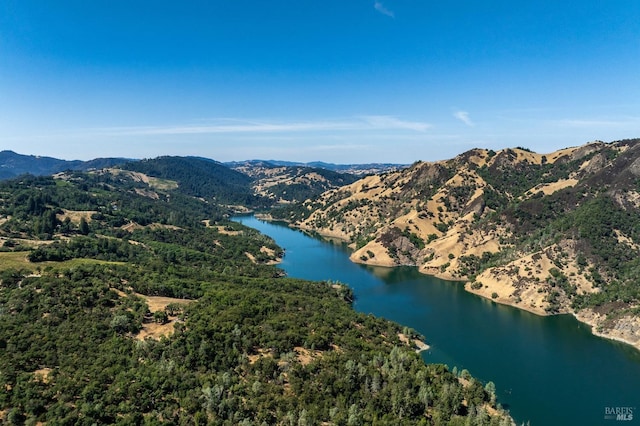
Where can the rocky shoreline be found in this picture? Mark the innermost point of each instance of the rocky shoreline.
(625, 329)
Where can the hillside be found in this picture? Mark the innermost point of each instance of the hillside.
(351, 169)
(548, 233)
(200, 177)
(12, 164)
(124, 301)
(251, 183)
(288, 183)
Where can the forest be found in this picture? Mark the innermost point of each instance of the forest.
(87, 257)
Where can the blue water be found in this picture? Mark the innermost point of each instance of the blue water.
(547, 370)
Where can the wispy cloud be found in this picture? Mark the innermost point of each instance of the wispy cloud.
(390, 122)
(382, 9)
(231, 126)
(464, 117)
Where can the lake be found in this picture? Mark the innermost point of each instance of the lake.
(547, 370)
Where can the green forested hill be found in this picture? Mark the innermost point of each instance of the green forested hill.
(200, 177)
(258, 183)
(92, 263)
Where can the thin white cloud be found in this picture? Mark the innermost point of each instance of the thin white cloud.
(464, 117)
(390, 122)
(377, 4)
(231, 126)
(226, 127)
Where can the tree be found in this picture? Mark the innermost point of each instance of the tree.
(490, 388)
(120, 323)
(160, 317)
(83, 227)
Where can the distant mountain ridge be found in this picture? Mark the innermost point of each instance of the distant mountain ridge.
(354, 169)
(13, 164)
(253, 182)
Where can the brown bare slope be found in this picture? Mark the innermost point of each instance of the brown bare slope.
(286, 183)
(548, 233)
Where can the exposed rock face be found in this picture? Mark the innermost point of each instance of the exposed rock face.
(624, 329)
(549, 233)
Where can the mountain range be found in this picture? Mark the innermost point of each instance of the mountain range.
(13, 164)
(555, 233)
(252, 182)
(353, 169)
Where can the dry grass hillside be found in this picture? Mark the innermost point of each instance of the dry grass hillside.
(286, 184)
(516, 225)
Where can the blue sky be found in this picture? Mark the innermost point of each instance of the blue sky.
(340, 81)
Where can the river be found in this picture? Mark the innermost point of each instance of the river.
(547, 370)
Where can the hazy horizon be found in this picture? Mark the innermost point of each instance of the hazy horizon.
(383, 81)
(276, 160)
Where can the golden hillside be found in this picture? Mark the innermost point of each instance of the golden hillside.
(516, 226)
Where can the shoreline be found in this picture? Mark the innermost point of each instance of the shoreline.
(585, 316)
(582, 316)
(421, 346)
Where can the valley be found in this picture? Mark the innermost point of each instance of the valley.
(128, 297)
(385, 213)
(148, 252)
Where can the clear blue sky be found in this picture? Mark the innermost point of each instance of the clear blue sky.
(345, 81)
